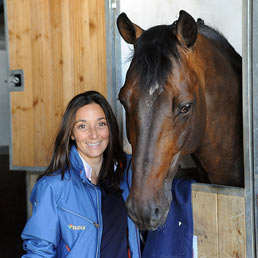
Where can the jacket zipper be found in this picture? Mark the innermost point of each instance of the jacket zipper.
(96, 224)
(98, 245)
(76, 214)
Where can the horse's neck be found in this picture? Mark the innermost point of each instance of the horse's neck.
(220, 150)
(221, 75)
(221, 43)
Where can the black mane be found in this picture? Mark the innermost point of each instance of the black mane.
(152, 54)
(153, 50)
(222, 44)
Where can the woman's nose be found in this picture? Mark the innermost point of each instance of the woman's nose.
(93, 132)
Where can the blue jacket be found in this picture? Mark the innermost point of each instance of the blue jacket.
(66, 220)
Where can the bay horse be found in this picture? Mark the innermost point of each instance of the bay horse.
(182, 95)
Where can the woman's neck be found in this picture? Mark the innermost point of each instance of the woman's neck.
(95, 166)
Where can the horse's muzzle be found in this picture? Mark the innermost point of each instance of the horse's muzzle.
(148, 215)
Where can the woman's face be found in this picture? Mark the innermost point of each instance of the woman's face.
(90, 132)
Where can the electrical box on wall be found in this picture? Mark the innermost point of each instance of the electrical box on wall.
(16, 80)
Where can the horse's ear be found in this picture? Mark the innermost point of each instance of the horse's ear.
(186, 29)
(129, 31)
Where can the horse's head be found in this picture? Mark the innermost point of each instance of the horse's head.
(165, 111)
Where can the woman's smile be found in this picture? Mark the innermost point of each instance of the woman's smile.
(93, 144)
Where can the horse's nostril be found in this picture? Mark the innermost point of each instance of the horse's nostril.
(156, 212)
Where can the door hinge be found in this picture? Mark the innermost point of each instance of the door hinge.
(114, 4)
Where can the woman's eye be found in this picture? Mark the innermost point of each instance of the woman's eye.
(185, 109)
(82, 126)
(102, 124)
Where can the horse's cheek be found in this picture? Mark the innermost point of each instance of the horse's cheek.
(200, 117)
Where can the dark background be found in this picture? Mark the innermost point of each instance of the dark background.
(13, 213)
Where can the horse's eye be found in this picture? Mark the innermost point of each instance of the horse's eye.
(185, 109)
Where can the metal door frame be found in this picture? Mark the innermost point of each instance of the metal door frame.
(250, 121)
(113, 45)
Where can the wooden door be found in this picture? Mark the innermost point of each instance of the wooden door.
(219, 221)
(61, 47)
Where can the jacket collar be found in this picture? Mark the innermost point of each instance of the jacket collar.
(76, 163)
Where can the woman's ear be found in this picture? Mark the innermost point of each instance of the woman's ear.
(72, 137)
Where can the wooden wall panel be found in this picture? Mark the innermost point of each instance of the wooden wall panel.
(219, 224)
(205, 223)
(60, 46)
(231, 217)
(20, 57)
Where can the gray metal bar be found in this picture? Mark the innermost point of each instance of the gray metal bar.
(9, 101)
(113, 58)
(108, 14)
(255, 113)
(248, 126)
(219, 189)
(38, 170)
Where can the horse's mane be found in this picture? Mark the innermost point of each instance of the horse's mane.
(153, 50)
(220, 42)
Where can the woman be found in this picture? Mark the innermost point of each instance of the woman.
(78, 209)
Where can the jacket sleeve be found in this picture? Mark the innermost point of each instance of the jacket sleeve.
(42, 232)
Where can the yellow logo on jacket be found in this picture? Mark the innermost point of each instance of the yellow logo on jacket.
(73, 227)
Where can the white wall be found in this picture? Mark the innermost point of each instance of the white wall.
(4, 101)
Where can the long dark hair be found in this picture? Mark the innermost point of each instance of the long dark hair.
(113, 156)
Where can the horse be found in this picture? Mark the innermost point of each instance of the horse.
(182, 96)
